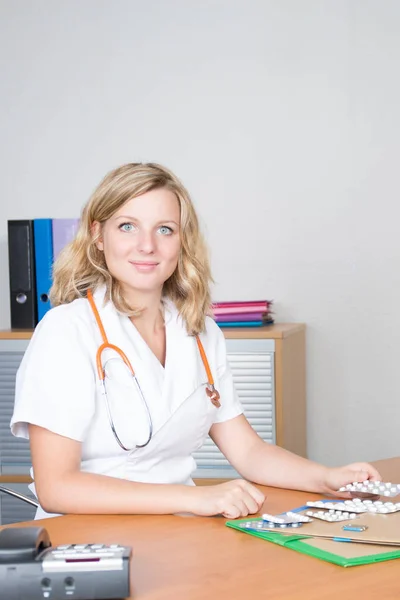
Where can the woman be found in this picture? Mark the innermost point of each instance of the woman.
(137, 277)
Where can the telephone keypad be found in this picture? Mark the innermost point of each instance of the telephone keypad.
(71, 551)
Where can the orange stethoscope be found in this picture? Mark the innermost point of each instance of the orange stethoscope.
(211, 392)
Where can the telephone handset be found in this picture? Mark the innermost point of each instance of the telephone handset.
(32, 569)
(22, 545)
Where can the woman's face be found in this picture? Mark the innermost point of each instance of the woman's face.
(141, 241)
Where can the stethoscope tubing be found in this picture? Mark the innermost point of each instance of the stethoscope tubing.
(111, 420)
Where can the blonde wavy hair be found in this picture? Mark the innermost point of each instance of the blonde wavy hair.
(81, 265)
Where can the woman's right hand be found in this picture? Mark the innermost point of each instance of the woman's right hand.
(233, 499)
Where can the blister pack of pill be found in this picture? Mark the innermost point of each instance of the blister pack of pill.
(358, 506)
(262, 525)
(380, 488)
(282, 521)
(332, 516)
(288, 518)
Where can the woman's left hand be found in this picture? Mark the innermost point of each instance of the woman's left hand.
(338, 477)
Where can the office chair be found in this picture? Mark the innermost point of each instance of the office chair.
(18, 495)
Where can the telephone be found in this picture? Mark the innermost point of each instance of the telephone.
(32, 569)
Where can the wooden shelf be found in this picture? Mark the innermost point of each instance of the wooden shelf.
(277, 331)
(15, 479)
(15, 334)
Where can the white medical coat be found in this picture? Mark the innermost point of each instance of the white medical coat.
(57, 388)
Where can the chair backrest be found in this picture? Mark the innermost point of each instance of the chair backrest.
(20, 496)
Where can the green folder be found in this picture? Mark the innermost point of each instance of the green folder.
(345, 554)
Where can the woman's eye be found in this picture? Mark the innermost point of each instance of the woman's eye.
(126, 227)
(164, 230)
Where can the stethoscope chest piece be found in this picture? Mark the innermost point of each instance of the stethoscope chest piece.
(213, 395)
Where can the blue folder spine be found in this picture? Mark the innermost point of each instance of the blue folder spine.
(44, 260)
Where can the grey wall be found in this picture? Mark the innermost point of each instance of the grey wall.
(282, 119)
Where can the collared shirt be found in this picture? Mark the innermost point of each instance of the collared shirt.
(58, 388)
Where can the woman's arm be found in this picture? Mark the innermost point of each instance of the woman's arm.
(63, 488)
(267, 464)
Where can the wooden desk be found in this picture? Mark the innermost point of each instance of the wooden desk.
(192, 558)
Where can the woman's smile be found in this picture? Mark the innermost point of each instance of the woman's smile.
(144, 266)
